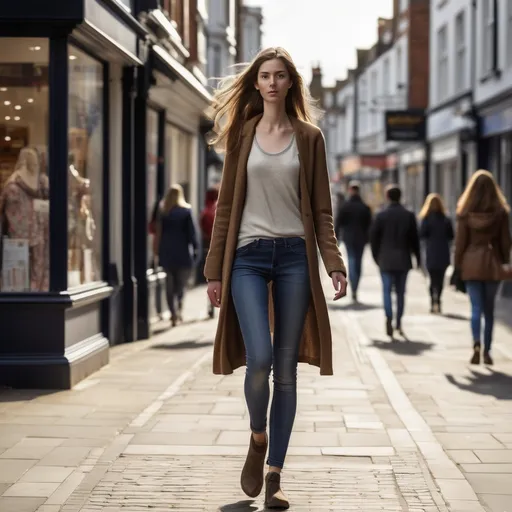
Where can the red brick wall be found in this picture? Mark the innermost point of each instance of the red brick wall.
(419, 20)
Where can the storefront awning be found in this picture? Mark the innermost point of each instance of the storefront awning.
(170, 67)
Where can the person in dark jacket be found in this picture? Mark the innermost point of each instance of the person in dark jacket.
(177, 245)
(394, 237)
(352, 225)
(437, 231)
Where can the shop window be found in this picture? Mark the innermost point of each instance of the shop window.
(152, 173)
(24, 184)
(85, 165)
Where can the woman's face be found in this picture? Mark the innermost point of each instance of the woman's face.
(273, 81)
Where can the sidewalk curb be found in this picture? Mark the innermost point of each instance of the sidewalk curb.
(435, 458)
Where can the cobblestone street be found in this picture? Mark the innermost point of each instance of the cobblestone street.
(401, 426)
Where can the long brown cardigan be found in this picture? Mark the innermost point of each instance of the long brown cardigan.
(316, 210)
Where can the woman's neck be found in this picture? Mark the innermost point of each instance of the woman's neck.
(274, 117)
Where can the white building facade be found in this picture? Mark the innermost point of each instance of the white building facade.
(451, 127)
(251, 28)
(493, 88)
(222, 43)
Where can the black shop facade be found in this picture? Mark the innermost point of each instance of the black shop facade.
(82, 155)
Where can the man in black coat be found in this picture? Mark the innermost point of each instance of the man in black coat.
(352, 225)
(394, 237)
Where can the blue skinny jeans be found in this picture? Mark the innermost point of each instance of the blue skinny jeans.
(482, 295)
(284, 262)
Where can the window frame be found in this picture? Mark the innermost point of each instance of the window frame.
(489, 38)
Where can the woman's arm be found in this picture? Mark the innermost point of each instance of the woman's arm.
(461, 242)
(322, 212)
(214, 260)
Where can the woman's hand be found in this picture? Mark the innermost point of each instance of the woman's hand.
(339, 281)
(214, 291)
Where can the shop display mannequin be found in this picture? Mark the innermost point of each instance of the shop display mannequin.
(24, 208)
(81, 227)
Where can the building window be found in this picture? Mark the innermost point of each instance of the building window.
(442, 52)
(460, 49)
(373, 99)
(509, 33)
(85, 191)
(385, 78)
(489, 37)
(399, 74)
(404, 5)
(217, 61)
(24, 187)
(152, 172)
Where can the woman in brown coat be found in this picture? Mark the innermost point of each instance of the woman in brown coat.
(274, 207)
(482, 253)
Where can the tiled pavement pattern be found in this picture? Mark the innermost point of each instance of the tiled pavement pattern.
(468, 408)
(157, 431)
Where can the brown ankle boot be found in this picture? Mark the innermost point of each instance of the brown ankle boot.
(274, 497)
(252, 474)
(487, 358)
(476, 354)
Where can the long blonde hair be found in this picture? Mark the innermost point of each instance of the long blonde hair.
(433, 203)
(237, 100)
(174, 197)
(482, 195)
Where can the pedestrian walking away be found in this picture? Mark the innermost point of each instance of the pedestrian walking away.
(206, 221)
(353, 221)
(482, 253)
(274, 207)
(436, 230)
(394, 238)
(177, 247)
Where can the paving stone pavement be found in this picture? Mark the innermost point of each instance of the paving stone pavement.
(468, 408)
(155, 430)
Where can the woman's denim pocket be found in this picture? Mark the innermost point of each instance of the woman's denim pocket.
(298, 247)
(246, 248)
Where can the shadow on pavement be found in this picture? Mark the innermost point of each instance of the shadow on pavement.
(497, 384)
(240, 506)
(403, 347)
(17, 395)
(182, 345)
(455, 316)
(353, 306)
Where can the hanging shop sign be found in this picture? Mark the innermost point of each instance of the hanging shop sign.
(405, 125)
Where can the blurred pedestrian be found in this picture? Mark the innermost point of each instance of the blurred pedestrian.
(274, 207)
(482, 253)
(353, 222)
(207, 219)
(177, 246)
(394, 237)
(437, 231)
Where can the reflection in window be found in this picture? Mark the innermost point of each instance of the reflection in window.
(152, 171)
(85, 165)
(24, 187)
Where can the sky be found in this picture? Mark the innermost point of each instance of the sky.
(324, 31)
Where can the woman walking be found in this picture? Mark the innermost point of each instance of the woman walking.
(482, 253)
(274, 205)
(437, 231)
(176, 244)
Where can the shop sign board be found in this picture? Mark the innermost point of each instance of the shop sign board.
(405, 125)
